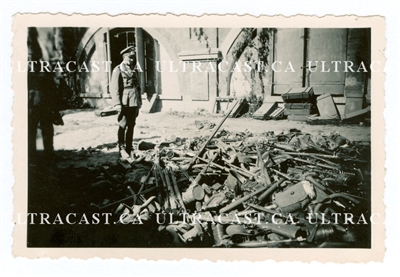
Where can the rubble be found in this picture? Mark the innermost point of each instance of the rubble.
(228, 189)
(291, 189)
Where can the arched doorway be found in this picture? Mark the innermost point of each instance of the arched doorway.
(152, 46)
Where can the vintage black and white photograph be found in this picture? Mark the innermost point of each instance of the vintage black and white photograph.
(200, 137)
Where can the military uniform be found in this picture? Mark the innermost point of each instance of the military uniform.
(125, 91)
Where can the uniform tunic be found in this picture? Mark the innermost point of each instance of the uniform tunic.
(124, 87)
(125, 91)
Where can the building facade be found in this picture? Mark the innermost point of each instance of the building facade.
(189, 68)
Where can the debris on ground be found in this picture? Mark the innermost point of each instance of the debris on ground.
(291, 189)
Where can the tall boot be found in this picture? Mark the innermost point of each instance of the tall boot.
(121, 143)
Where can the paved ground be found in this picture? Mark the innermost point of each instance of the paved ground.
(84, 130)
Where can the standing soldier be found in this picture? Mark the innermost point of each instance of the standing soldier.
(43, 109)
(125, 92)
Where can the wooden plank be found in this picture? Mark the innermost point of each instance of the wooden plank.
(265, 110)
(239, 108)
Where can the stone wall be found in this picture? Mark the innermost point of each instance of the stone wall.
(189, 89)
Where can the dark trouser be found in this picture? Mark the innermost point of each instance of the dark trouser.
(44, 117)
(126, 122)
